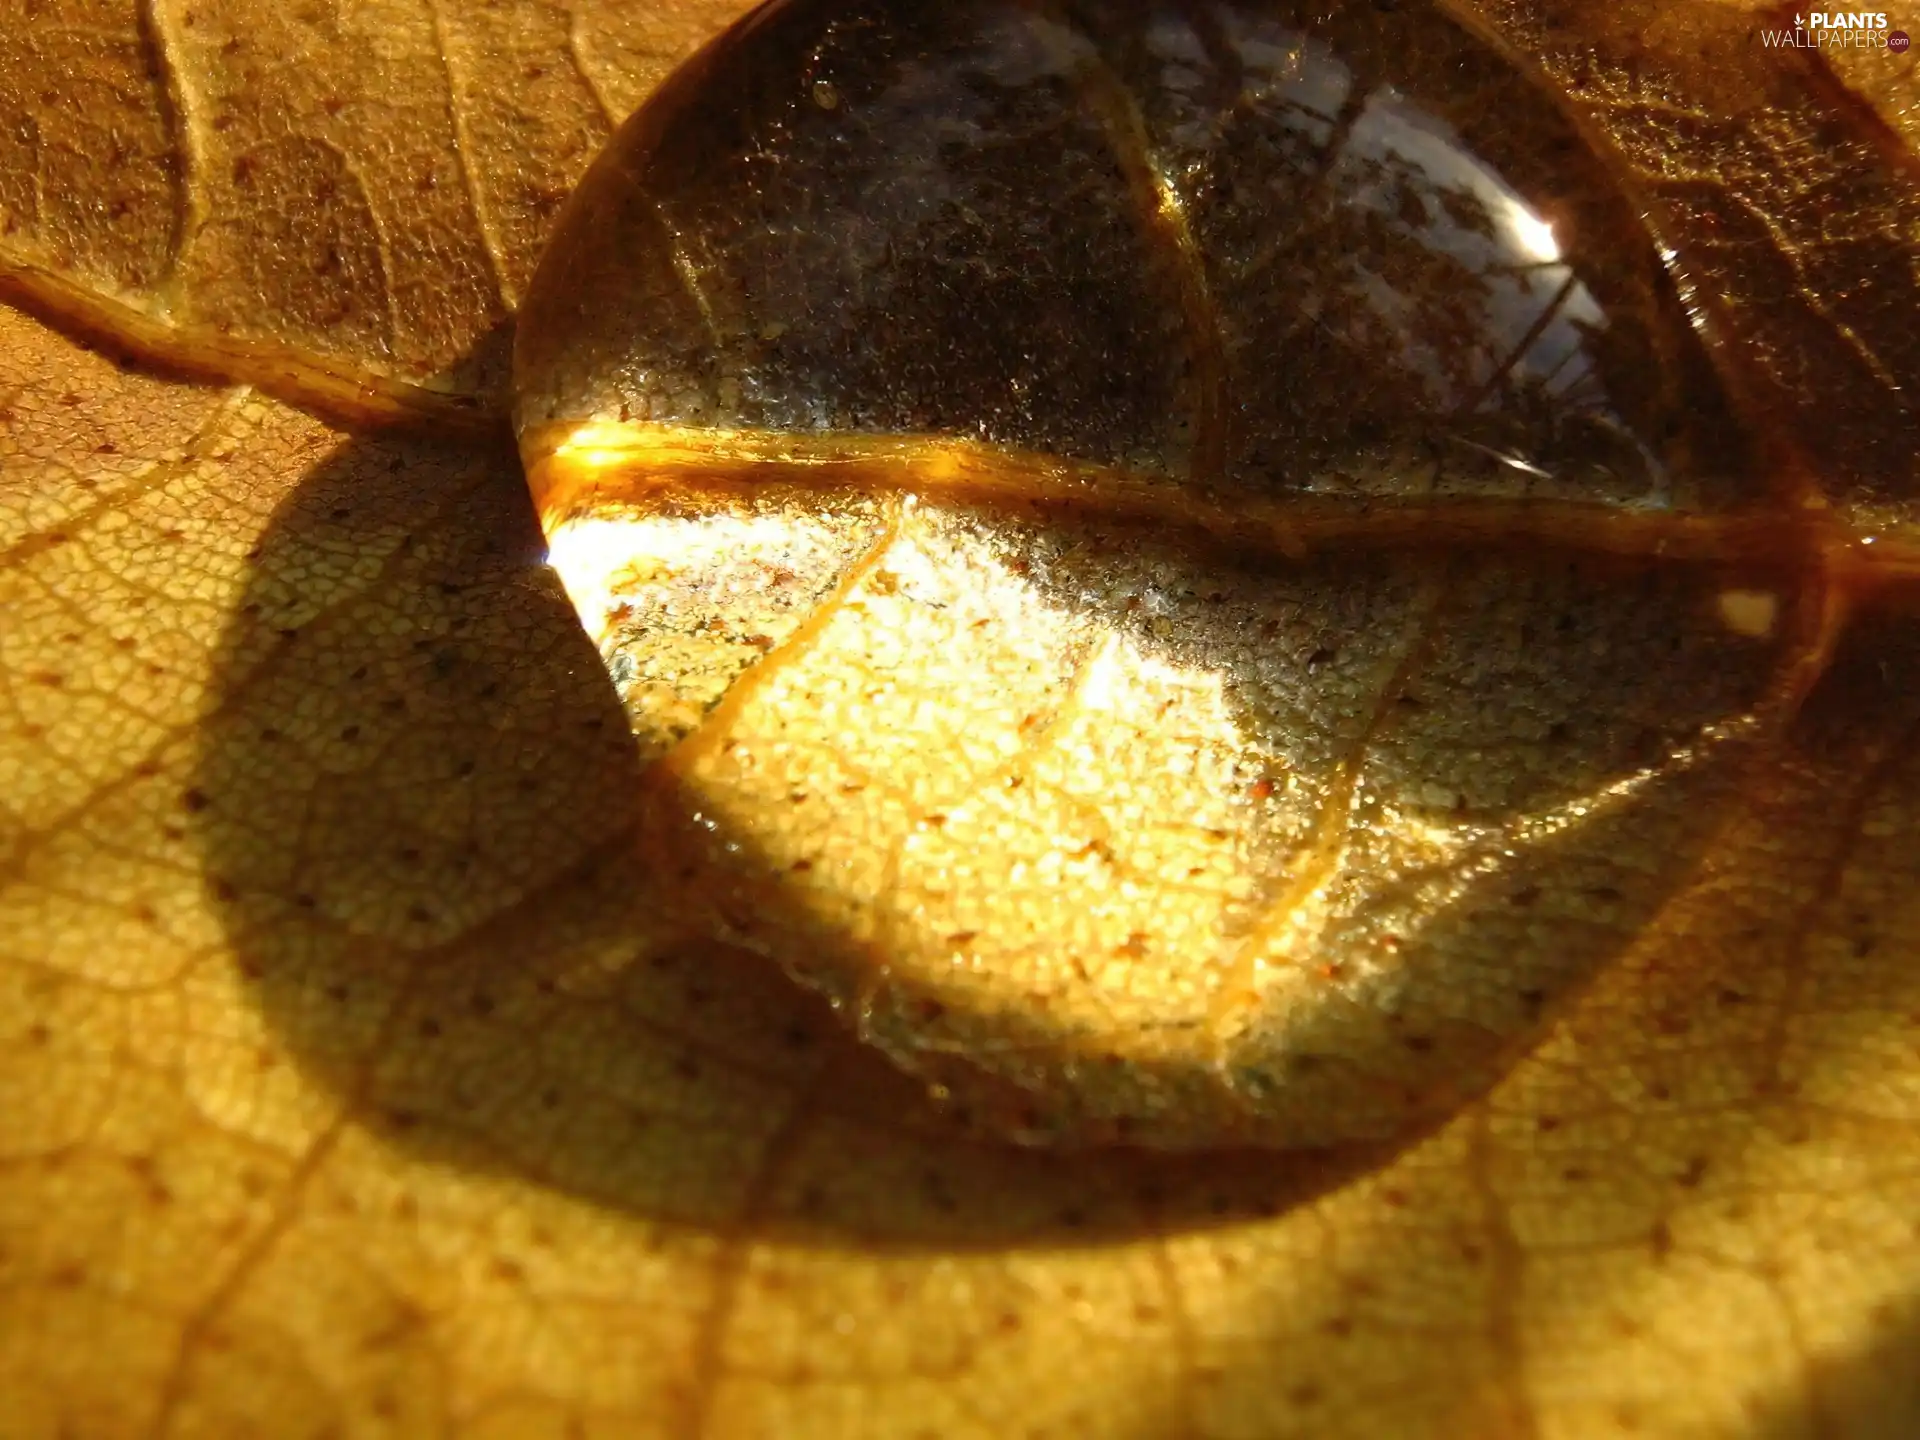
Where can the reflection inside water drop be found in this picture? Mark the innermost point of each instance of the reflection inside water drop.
(1254, 247)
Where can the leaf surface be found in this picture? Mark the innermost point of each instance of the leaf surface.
(354, 1084)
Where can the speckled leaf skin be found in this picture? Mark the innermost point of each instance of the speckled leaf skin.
(353, 1086)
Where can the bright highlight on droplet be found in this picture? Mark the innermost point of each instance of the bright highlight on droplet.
(1534, 237)
(598, 445)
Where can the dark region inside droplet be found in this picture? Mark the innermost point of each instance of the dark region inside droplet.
(1250, 245)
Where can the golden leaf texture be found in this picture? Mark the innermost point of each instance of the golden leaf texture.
(366, 1072)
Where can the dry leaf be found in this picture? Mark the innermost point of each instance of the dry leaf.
(355, 1085)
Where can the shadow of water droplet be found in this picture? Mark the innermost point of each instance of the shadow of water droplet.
(417, 800)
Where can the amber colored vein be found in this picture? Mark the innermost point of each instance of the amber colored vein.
(707, 1364)
(336, 390)
(178, 115)
(1832, 605)
(1797, 964)
(195, 1327)
(718, 722)
(1849, 828)
(383, 246)
(1163, 216)
(573, 469)
(1507, 1273)
(1327, 845)
(462, 148)
(576, 56)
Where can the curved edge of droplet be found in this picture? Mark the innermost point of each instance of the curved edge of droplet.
(541, 328)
